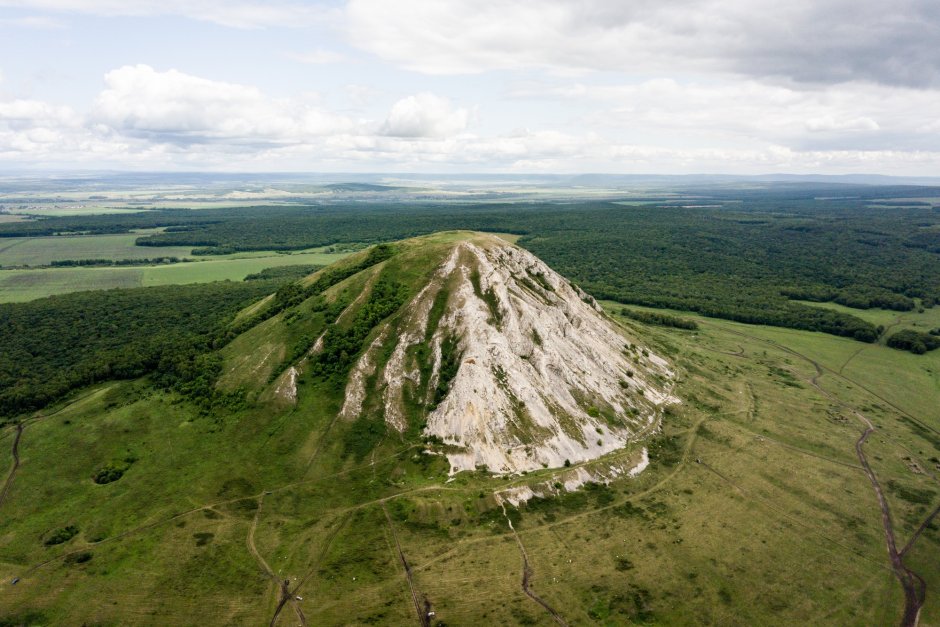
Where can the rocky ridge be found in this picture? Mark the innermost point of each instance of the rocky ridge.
(516, 368)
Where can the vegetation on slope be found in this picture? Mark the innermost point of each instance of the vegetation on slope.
(915, 341)
(753, 504)
(659, 318)
(51, 346)
(745, 258)
(342, 345)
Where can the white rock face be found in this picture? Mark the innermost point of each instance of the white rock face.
(287, 386)
(544, 376)
(571, 480)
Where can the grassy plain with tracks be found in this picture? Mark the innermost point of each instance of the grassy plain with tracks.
(754, 509)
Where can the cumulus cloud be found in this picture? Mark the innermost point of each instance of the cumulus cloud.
(802, 40)
(425, 115)
(174, 107)
(153, 119)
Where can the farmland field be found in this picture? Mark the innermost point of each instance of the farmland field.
(41, 251)
(753, 511)
(756, 506)
(28, 284)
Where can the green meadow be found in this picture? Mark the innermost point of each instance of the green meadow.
(754, 508)
(42, 251)
(27, 284)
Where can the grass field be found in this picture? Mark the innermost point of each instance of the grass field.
(754, 509)
(28, 284)
(78, 209)
(41, 251)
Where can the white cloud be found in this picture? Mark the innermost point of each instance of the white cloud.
(425, 115)
(317, 57)
(40, 22)
(360, 95)
(831, 123)
(848, 115)
(150, 119)
(801, 40)
(178, 108)
(235, 14)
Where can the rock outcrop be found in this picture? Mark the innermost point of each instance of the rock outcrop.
(514, 368)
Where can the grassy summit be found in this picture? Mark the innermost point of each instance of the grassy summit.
(262, 468)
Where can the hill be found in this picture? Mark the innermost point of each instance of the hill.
(476, 344)
(446, 425)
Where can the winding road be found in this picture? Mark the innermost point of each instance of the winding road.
(423, 612)
(16, 462)
(527, 574)
(915, 588)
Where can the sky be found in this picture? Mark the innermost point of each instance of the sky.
(553, 86)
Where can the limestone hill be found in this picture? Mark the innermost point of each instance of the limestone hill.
(498, 361)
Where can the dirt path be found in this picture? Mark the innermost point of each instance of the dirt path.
(282, 585)
(323, 551)
(212, 505)
(884, 334)
(920, 530)
(20, 426)
(915, 588)
(820, 369)
(764, 438)
(851, 357)
(424, 610)
(16, 463)
(825, 541)
(686, 452)
(527, 575)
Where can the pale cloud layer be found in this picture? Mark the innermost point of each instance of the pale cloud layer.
(427, 85)
(236, 14)
(799, 40)
(317, 57)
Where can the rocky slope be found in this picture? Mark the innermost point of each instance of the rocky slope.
(468, 341)
(519, 369)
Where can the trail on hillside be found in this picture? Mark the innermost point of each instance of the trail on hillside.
(528, 573)
(16, 463)
(423, 612)
(884, 333)
(20, 426)
(323, 552)
(915, 588)
(920, 530)
(686, 452)
(283, 585)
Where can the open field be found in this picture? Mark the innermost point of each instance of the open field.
(29, 284)
(893, 321)
(77, 209)
(754, 510)
(41, 251)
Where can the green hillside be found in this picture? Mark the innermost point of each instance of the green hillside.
(236, 494)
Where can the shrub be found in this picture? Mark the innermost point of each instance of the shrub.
(60, 536)
(914, 341)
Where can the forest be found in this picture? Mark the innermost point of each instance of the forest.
(51, 346)
(742, 255)
(754, 258)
